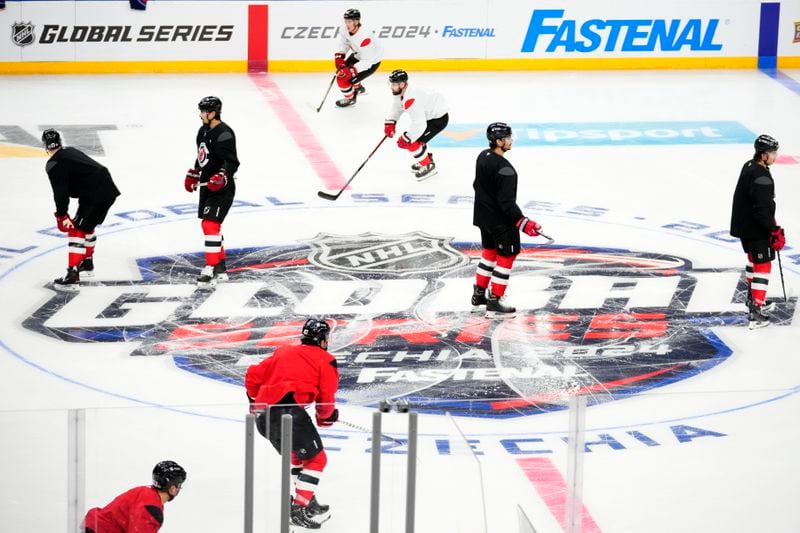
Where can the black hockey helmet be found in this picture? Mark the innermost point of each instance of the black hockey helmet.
(51, 139)
(168, 473)
(210, 103)
(497, 130)
(765, 143)
(352, 14)
(398, 75)
(315, 331)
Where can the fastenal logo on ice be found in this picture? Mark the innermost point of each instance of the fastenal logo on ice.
(549, 27)
(597, 322)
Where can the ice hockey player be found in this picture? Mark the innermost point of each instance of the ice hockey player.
(499, 219)
(365, 57)
(73, 174)
(140, 509)
(213, 174)
(753, 222)
(292, 378)
(428, 113)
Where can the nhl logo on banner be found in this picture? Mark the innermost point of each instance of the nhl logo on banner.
(22, 33)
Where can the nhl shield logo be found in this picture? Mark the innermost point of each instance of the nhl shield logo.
(22, 33)
(411, 253)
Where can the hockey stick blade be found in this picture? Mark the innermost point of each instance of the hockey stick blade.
(550, 240)
(328, 196)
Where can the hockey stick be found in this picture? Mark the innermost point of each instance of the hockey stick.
(332, 197)
(367, 430)
(333, 79)
(550, 240)
(780, 269)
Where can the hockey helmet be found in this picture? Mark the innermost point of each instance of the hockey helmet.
(398, 75)
(168, 473)
(210, 103)
(51, 139)
(497, 130)
(352, 14)
(765, 143)
(315, 331)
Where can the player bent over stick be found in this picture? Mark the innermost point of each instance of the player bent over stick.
(213, 173)
(428, 112)
(364, 60)
(500, 220)
(292, 378)
(74, 174)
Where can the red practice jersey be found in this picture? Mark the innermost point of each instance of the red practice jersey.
(307, 371)
(138, 510)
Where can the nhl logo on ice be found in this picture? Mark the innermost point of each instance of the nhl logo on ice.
(412, 253)
(22, 33)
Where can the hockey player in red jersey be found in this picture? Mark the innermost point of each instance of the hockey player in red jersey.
(365, 57)
(292, 378)
(753, 221)
(213, 174)
(500, 220)
(428, 113)
(141, 509)
(74, 174)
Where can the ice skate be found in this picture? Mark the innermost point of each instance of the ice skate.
(69, 283)
(496, 308)
(426, 172)
(315, 508)
(86, 267)
(301, 516)
(347, 102)
(221, 271)
(757, 318)
(478, 297)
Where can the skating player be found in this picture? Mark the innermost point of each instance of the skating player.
(428, 113)
(292, 378)
(74, 174)
(500, 220)
(753, 221)
(366, 52)
(213, 174)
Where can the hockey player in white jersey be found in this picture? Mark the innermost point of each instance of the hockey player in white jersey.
(365, 57)
(428, 113)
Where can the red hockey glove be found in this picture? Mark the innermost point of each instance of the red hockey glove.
(528, 226)
(777, 240)
(327, 422)
(388, 127)
(217, 181)
(192, 180)
(64, 222)
(338, 58)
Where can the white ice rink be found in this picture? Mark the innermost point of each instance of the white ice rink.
(693, 419)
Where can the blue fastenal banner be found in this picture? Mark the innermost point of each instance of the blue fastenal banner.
(601, 134)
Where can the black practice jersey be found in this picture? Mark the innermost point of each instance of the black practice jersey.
(74, 174)
(216, 150)
(753, 215)
(495, 191)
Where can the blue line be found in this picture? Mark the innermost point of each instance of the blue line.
(785, 80)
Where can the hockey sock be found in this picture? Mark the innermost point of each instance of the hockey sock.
(213, 236)
(420, 152)
(347, 88)
(297, 467)
(502, 271)
(77, 247)
(758, 287)
(309, 477)
(91, 239)
(485, 268)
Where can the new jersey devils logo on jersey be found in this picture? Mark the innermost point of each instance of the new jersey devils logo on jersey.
(202, 154)
(597, 322)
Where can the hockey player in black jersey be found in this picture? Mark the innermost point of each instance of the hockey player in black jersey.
(213, 174)
(74, 174)
(500, 220)
(753, 221)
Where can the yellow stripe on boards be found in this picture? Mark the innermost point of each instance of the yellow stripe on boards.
(120, 67)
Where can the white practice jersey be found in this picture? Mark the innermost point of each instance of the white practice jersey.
(421, 106)
(364, 44)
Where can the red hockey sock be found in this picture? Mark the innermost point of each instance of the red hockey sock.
(213, 237)
(502, 271)
(309, 477)
(485, 267)
(77, 247)
(91, 239)
(758, 288)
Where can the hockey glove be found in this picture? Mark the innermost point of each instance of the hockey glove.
(388, 127)
(528, 226)
(338, 58)
(217, 181)
(777, 240)
(327, 422)
(64, 222)
(192, 180)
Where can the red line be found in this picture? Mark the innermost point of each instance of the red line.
(313, 151)
(552, 488)
(273, 264)
(257, 38)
